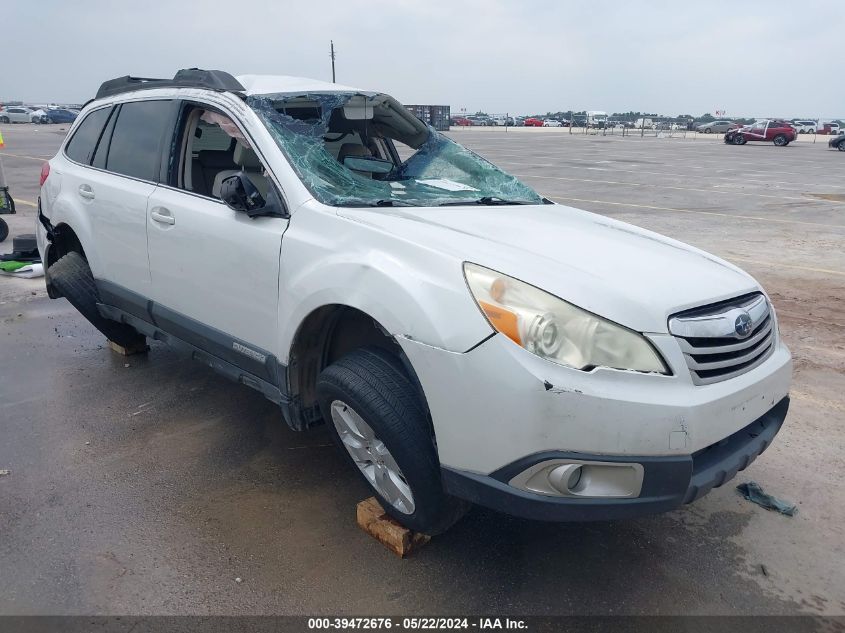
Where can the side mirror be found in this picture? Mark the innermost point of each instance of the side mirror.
(240, 194)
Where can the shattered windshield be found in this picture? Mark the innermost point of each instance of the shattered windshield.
(365, 149)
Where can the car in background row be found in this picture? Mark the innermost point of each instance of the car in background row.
(716, 127)
(805, 126)
(533, 122)
(58, 115)
(778, 132)
(837, 142)
(15, 114)
(828, 128)
(461, 121)
(552, 123)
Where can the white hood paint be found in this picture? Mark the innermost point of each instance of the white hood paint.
(634, 277)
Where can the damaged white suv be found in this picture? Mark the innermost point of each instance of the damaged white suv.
(464, 338)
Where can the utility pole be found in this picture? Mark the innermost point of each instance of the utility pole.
(332, 56)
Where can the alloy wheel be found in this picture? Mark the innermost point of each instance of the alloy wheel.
(372, 457)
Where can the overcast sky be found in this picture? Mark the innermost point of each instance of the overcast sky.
(767, 58)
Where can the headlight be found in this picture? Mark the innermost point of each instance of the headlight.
(556, 330)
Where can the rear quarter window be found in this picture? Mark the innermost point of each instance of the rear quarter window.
(82, 144)
(135, 148)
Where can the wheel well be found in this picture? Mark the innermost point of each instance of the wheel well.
(325, 336)
(63, 241)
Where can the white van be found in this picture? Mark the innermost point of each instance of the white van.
(464, 338)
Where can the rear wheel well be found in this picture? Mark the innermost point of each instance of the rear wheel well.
(326, 335)
(62, 242)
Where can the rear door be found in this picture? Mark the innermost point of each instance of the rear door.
(214, 271)
(124, 173)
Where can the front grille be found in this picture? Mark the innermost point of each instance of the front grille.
(716, 347)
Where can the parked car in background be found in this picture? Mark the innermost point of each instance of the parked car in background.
(15, 114)
(480, 120)
(781, 133)
(837, 142)
(36, 116)
(716, 127)
(644, 124)
(532, 122)
(805, 126)
(462, 121)
(552, 123)
(59, 115)
(502, 120)
(828, 128)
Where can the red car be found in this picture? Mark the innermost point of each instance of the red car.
(780, 133)
(459, 120)
(532, 122)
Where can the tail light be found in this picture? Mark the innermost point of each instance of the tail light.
(45, 171)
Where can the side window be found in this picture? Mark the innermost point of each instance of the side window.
(84, 141)
(212, 148)
(102, 151)
(135, 148)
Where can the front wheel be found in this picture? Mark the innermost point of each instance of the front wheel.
(841, 147)
(739, 139)
(707, 130)
(379, 420)
(780, 140)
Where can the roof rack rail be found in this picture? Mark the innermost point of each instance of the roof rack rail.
(186, 78)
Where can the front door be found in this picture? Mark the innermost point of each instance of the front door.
(214, 271)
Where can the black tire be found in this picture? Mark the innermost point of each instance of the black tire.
(71, 277)
(707, 130)
(739, 139)
(4, 230)
(780, 140)
(4, 119)
(841, 146)
(376, 386)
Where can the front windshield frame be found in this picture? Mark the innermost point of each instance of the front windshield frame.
(439, 172)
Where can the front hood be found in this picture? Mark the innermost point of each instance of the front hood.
(626, 274)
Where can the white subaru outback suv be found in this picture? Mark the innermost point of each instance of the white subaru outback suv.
(465, 339)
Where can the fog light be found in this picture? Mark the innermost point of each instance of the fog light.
(564, 478)
(573, 478)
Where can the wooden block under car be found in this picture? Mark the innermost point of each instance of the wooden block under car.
(375, 522)
(136, 348)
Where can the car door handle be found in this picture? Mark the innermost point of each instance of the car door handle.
(163, 216)
(86, 192)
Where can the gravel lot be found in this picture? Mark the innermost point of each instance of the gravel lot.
(147, 485)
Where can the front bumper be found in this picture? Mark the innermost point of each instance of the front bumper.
(668, 481)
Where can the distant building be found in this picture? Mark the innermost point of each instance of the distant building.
(435, 115)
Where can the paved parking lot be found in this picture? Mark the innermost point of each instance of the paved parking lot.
(148, 484)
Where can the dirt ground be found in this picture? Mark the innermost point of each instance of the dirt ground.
(146, 485)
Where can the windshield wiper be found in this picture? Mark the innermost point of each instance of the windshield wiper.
(386, 202)
(487, 201)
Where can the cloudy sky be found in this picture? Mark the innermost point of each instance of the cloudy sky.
(766, 58)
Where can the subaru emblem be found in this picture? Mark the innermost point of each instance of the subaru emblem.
(743, 325)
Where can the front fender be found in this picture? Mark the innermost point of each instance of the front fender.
(413, 292)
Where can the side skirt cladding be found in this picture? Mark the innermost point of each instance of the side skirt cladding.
(233, 358)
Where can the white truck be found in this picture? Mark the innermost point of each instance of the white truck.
(464, 338)
(596, 118)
